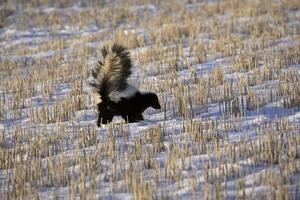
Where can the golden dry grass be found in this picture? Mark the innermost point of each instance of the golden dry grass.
(50, 146)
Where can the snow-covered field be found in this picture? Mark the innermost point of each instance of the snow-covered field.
(227, 74)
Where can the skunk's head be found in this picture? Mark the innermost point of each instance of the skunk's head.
(154, 102)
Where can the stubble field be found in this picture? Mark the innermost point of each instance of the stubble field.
(227, 74)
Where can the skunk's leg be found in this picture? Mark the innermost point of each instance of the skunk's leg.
(139, 117)
(104, 119)
(135, 118)
(126, 118)
(104, 114)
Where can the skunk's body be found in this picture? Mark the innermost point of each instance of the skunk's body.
(109, 81)
(130, 108)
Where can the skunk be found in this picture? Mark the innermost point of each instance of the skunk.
(108, 81)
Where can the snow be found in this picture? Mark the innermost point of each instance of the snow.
(67, 133)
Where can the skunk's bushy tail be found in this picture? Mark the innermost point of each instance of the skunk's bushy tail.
(111, 73)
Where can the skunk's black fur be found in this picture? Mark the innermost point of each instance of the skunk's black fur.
(109, 81)
(130, 108)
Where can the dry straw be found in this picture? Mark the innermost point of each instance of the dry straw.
(217, 68)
